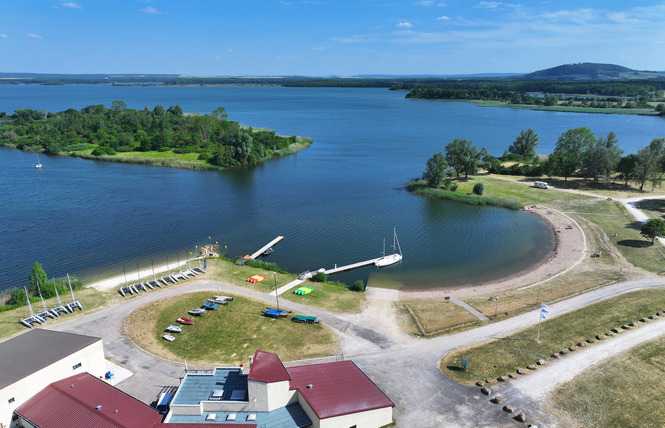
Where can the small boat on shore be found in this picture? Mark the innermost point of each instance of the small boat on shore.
(197, 311)
(173, 329)
(218, 301)
(168, 337)
(209, 305)
(186, 321)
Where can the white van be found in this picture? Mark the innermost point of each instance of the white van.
(540, 185)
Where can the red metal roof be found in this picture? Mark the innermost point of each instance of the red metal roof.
(267, 367)
(203, 425)
(73, 402)
(338, 388)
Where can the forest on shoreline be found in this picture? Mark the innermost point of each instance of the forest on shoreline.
(145, 136)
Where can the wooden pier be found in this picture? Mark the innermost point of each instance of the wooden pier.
(350, 267)
(265, 247)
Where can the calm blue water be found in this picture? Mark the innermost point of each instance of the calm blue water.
(333, 202)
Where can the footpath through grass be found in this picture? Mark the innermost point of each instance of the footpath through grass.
(499, 357)
(624, 391)
(226, 336)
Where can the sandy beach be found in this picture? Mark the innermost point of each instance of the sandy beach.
(134, 277)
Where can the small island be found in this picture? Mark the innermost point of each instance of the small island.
(158, 137)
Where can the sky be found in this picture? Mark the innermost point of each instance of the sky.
(327, 37)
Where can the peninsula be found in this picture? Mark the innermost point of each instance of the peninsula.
(158, 137)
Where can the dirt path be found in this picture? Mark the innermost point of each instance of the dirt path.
(540, 384)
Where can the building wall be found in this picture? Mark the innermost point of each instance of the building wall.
(265, 397)
(91, 359)
(369, 419)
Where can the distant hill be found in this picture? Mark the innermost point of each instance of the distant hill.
(591, 71)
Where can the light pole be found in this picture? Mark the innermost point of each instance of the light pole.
(639, 314)
(274, 275)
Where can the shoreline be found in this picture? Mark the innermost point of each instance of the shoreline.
(569, 250)
(134, 277)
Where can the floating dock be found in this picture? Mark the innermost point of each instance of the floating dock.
(350, 267)
(265, 247)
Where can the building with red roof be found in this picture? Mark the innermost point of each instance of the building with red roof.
(327, 395)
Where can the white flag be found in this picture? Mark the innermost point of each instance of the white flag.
(543, 316)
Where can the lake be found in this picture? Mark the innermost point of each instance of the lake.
(334, 202)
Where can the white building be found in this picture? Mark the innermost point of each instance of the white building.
(33, 360)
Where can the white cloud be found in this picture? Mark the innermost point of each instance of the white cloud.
(151, 11)
(33, 36)
(71, 5)
(229, 50)
(318, 49)
(404, 25)
(443, 18)
(496, 5)
(4, 36)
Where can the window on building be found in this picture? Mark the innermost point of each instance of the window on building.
(11, 400)
(77, 366)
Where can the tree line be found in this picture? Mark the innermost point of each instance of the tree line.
(107, 131)
(578, 152)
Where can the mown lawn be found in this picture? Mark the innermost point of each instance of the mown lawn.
(499, 357)
(226, 336)
(624, 391)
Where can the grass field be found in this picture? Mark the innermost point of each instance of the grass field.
(623, 392)
(226, 336)
(434, 315)
(331, 297)
(499, 357)
(91, 300)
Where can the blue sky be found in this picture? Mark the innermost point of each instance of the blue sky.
(326, 37)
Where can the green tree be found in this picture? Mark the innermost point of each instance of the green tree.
(118, 106)
(626, 168)
(478, 189)
(37, 278)
(220, 113)
(176, 110)
(159, 111)
(462, 156)
(525, 144)
(602, 158)
(653, 229)
(435, 171)
(570, 149)
(648, 159)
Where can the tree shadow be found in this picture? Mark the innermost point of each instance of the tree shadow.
(653, 205)
(455, 368)
(635, 243)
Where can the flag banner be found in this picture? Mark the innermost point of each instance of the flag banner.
(544, 311)
(543, 316)
(543, 306)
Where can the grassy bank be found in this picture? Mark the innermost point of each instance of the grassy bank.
(568, 109)
(228, 335)
(499, 357)
(418, 187)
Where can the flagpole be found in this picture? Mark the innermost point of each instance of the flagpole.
(540, 317)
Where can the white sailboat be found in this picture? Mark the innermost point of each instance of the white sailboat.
(38, 164)
(393, 258)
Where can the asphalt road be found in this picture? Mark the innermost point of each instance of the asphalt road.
(405, 369)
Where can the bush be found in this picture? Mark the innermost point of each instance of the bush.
(103, 150)
(359, 285)
(478, 189)
(319, 277)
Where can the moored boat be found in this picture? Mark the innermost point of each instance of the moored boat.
(197, 311)
(393, 258)
(186, 321)
(169, 337)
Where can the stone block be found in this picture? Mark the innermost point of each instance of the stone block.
(508, 409)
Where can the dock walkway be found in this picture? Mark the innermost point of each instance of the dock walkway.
(265, 247)
(351, 266)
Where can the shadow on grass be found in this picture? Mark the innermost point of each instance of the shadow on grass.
(455, 368)
(635, 243)
(635, 225)
(653, 205)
